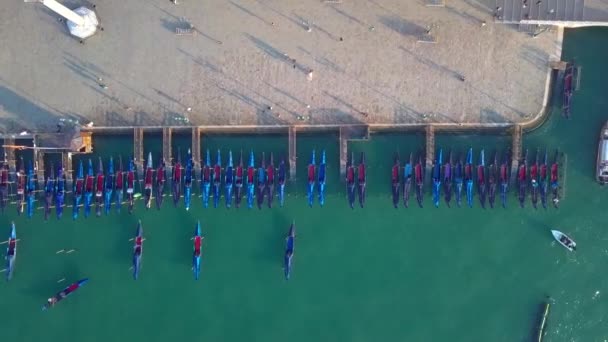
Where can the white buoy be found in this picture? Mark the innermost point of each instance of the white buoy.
(82, 22)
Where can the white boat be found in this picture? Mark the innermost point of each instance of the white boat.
(602, 156)
(564, 240)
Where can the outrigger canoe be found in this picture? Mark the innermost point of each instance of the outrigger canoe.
(160, 183)
(88, 189)
(99, 188)
(49, 191)
(11, 252)
(564, 240)
(321, 178)
(217, 179)
(131, 185)
(311, 179)
(544, 181)
(522, 174)
(64, 293)
(395, 183)
(504, 178)
(282, 177)
(270, 180)
(361, 179)
(555, 180)
(229, 180)
(107, 203)
(238, 182)
(78, 190)
(350, 181)
(481, 179)
(493, 176)
(261, 182)
(468, 177)
(176, 179)
(289, 249)
(437, 179)
(148, 181)
(447, 179)
(250, 181)
(31, 190)
(138, 247)
(196, 257)
(120, 185)
(188, 181)
(459, 180)
(4, 184)
(567, 96)
(21, 184)
(534, 180)
(419, 178)
(60, 192)
(206, 179)
(407, 180)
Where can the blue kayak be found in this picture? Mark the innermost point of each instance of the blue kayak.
(289, 249)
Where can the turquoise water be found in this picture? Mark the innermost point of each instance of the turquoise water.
(376, 273)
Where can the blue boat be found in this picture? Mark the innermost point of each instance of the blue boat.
(217, 179)
(350, 181)
(138, 247)
(64, 293)
(321, 177)
(196, 257)
(107, 203)
(282, 177)
(131, 185)
(60, 192)
(544, 181)
(78, 190)
(261, 182)
(188, 181)
(31, 190)
(148, 181)
(493, 176)
(311, 179)
(447, 179)
(361, 179)
(238, 182)
(270, 171)
(11, 252)
(289, 249)
(395, 182)
(229, 180)
(99, 187)
(88, 190)
(407, 180)
(468, 177)
(481, 179)
(437, 179)
(120, 185)
(504, 178)
(459, 180)
(206, 180)
(250, 181)
(49, 191)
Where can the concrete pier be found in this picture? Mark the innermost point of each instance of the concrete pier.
(138, 150)
(292, 153)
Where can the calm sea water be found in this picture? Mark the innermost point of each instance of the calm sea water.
(372, 274)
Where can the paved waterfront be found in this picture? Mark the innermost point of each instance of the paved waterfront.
(249, 63)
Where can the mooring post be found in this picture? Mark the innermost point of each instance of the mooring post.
(430, 150)
(167, 144)
(344, 137)
(292, 153)
(138, 151)
(516, 150)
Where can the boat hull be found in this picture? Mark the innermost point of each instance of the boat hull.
(564, 240)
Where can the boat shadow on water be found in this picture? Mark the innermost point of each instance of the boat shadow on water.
(182, 254)
(48, 283)
(122, 252)
(273, 249)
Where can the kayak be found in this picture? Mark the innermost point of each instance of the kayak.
(21, 183)
(107, 203)
(188, 181)
(4, 182)
(311, 179)
(261, 182)
(289, 249)
(160, 183)
(176, 179)
(447, 179)
(99, 188)
(350, 181)
(468, 177)
(407, 181)
(395, 184)
(481, 179)
(206, 180)
(504, 179)
(196, 258)
(64, 293)
(555, 180)
(459, 180)
(31, 189)
(138, 250)
(534, 180)
(250, 181)
(321, 178)
(361, 179)
(419, 178)
(49, 190)
(270, 170)
(131, 185)
(11, 252)
(217, 179)
(229, 180)
(493, 175)
(78, 190)
(437, 179)
(120, 185)
(544, 184)
(238, 182)
(521, 178)
(282, 177)
(564, 240)
(60, 193)
(148, 181)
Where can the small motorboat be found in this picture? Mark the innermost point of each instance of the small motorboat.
(261, 186)
(311, 179)
(459, 180)
(289, 249)
(109, 187)
(350, 181)
(60, 192)
(206, 179)
(11, 252)
(544, 181)
(481, 179)
(270, 180)
(555, 179)
(138, 250)
(176, 180)
(160, 183)
(217, 179)
(78, 190)
(419, 177)
(522, 174)
(321, 178)
(196, 257)
(395, 182)
(31, 190)
(250, 180)
(238, 183)
(407, 180)
(148, 181)
(601, 168)
(534, 180)
(64, 293)
(468, 177)
(493, 176)
(131, 185)
(120, 185)
(504, 179)
(21, 184)
(229, 180)
(89, 184)
(361, 179)
(282, 178)
(447, 179)
(4, 185)
(99, 188)
(564, 240)
(437, 179)
(188, 181)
